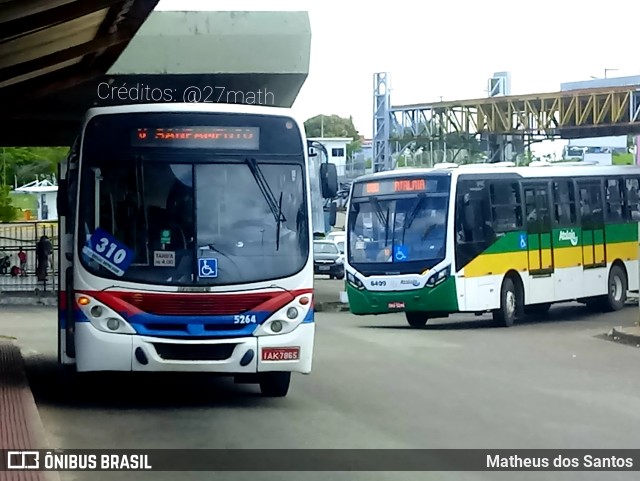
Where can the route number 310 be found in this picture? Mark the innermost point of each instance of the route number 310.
(244, 319)
(111, 251)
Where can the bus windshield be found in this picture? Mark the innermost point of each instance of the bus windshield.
(194, 218)
(402, 232)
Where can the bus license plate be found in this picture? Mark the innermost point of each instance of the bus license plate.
(324, 268)
(280, 353)
(396, 305)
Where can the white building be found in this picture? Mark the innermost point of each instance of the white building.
(337, 150)
(47, 194)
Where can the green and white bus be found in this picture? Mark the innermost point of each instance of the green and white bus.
(492, 238)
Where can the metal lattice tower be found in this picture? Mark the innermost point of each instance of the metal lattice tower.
(381, 123)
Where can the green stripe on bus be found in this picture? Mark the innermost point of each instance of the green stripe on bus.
(621, 232)
(564, 237)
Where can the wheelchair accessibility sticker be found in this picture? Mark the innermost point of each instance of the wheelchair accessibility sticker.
(523, 241)
(207, 267)
(109, 252)
(400, 253)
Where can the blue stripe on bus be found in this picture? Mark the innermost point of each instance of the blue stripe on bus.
(190, 326)
(78, 314)
(310, 317)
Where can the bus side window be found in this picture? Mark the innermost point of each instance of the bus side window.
(472, 212)
(564, 202)
(633, 201)
(473, 221)
(591, 208)
(614, 200)
(505, 206)
(530, 207)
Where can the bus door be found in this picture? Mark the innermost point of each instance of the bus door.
(539, 232)
(67, 189)
(592, 223)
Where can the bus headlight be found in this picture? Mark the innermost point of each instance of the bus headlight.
(102, 317)
(439, 277)
(287, 318)
(354, 281)
(113, 324)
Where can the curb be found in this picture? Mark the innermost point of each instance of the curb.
(619, 335)
(13, 300)
(330, 307)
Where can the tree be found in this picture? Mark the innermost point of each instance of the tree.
(7, 211)
(334, 126)
(24, 164)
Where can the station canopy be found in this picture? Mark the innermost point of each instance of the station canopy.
(60, 57)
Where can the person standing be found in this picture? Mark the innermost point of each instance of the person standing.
(22, 257)
(44, 249)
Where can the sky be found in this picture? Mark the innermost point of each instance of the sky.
(448, 49)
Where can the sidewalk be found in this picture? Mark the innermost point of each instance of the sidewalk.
(21, 425)
(327, 295)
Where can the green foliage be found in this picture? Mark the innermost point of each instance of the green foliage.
(7, 211)
(454, 141)
(334, 126)
(27, 163)
(622, 159)
(24, 201)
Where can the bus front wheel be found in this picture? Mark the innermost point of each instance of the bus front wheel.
(506, 315)
(275, 384)
(416, 319)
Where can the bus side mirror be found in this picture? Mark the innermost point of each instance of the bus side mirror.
(62, 202)
(328, 180)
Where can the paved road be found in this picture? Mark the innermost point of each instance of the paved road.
(458, 383)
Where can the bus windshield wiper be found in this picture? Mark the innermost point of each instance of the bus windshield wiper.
(384, 219)
(412, 214)
(274, 206)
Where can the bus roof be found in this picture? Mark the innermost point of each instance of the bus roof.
(194, 107)
(569, 169)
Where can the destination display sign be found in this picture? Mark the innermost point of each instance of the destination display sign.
(396, 186)
(222, 138)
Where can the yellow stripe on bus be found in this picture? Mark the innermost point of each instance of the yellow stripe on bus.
(626, 251)
(563, 257)
(493, 264)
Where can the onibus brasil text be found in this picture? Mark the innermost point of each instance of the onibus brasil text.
(19, 460)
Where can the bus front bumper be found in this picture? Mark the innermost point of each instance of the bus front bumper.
(102, 351)
(440, 299)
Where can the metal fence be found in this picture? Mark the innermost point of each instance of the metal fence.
(357, 166)
(16, 237)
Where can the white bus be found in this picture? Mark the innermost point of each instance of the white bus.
(186, 243)
(492, 238)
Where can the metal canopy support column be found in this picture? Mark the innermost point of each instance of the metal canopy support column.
(381, 123)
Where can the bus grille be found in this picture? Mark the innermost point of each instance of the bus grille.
(194, 304)
(194, 352)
